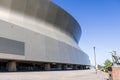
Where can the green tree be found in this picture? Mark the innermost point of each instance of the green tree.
(100, 67)
(107, 65)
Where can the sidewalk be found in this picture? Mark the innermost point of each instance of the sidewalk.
(55, 75)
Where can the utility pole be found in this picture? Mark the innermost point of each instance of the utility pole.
(95, 60)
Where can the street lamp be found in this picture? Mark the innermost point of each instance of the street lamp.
(95, 60)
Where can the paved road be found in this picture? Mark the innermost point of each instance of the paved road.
(55, 75)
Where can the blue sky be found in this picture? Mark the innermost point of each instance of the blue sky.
(100, 23)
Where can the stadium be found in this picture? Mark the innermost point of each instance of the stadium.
(38, 35)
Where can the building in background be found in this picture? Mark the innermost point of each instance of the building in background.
(38, 35)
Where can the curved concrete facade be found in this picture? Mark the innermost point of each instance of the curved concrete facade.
(39, 30)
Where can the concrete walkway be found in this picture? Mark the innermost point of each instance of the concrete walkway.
(55, 75)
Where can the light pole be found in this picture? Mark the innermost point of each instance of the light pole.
(95, 60)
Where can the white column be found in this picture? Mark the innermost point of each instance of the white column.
(12, 66)
(47, 67)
